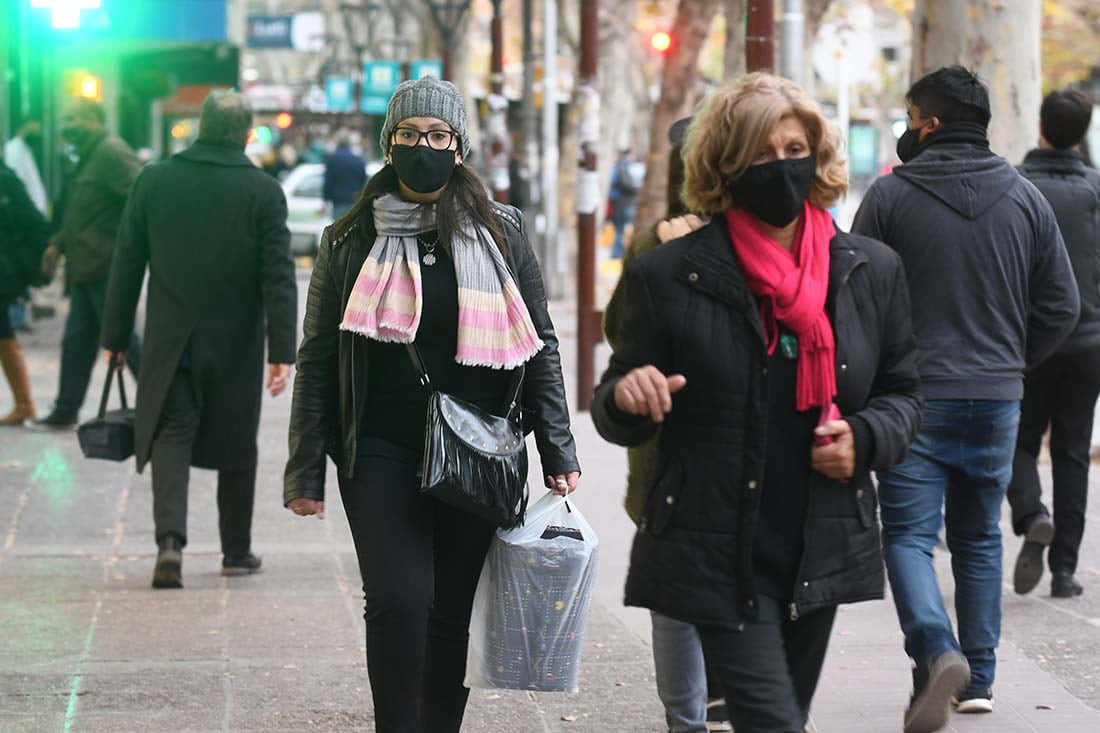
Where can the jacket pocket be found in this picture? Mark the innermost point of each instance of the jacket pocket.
(866, 503)
(663, 497)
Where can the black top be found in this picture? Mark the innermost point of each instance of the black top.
(397, 404)
(778, 539)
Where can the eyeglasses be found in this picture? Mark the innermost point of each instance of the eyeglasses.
(437, 139)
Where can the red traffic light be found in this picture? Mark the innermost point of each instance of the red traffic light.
(283, 120)
(660, 41)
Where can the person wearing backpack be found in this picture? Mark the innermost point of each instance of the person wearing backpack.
(624, 199)
(23, 233)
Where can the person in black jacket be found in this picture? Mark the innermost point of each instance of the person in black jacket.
(23, 234)
(740, 341)
(993, 293)
(1061, 393)
(345, 176)
(211, 228)
(423, 257)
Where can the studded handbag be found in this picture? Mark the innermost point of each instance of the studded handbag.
(473, 459)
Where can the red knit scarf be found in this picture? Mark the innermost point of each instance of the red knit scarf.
(792, 286)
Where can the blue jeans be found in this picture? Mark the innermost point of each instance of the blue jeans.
(957, 471)
(80, 346)
(681, 674)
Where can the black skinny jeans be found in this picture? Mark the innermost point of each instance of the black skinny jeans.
(1060, 394)
(420, 560)
(770, 668)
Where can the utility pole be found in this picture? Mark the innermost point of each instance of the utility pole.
(550, 154)
(760, 36)
(499, 144)
(792, 28)
(588, 201)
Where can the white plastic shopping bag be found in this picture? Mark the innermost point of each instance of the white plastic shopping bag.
(532, 602)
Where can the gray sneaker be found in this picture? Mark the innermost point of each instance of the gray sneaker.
(933, 687)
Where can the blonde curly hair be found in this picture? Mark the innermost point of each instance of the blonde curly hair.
(734, 124)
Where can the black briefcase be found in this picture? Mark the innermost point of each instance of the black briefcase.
(109, 435)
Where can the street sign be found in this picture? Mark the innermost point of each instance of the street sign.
(380, 79)
(426, 67)
(339, 94)
(300, 31)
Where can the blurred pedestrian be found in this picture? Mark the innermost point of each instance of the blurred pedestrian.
(692, 699)
(88, 219)
(212, 230)
(19, 157)
(993, 294)
(728, 344)
(23, 233)
(345, 176)
(625, 186)
(427, 251)
(1060, 394)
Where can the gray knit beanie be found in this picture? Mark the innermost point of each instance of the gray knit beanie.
(427, 97)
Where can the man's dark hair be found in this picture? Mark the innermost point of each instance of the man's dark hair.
(953, 94)
(89, 109)
(226, 119)
(1065, 116)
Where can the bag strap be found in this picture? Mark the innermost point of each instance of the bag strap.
(511, 405)
(112, 370)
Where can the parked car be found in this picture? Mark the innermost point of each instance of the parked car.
(307, 212)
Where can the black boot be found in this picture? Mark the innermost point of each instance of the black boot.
(246, 564)
(167, 573)
(1064, 585)
(1029, 563)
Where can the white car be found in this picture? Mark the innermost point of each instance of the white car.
(307, 212)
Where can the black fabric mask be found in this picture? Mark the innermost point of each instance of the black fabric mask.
(421, 168)
(775, 192)
(908, 144)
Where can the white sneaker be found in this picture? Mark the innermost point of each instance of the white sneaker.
(979, 703)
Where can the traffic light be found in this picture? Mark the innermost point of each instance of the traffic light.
(283, 120)
(83, 84)
(661, 41)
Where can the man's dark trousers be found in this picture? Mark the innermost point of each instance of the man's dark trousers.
(171, 460)
(1060, 394)
(80, 345)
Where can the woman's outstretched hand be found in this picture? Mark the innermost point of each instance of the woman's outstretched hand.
(646, 391)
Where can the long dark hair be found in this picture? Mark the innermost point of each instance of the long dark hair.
(464, 195)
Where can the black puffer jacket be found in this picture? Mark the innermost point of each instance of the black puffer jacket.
(330, 387)
(1073, 190)
(689, 311)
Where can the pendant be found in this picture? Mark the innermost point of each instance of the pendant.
(428, 259)
(788, 343)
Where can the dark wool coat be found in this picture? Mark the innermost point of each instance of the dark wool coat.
(689, 311)
(23, 233)
(212, 229)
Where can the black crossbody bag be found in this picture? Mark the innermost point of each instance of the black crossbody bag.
(473, 459)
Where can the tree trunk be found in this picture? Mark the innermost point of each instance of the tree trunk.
(1000, 42)
(678, 84)
(735, 39)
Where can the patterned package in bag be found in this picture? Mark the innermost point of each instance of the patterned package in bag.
(532, 602)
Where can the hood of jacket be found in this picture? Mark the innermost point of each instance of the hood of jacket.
(1066, 162)
(964, 176)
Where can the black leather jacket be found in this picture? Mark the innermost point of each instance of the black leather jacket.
(330, 387)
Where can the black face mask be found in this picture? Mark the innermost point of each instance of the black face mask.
(775, 192)
(908, 144)
(421, 168)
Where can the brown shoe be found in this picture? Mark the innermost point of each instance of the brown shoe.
(15, 370)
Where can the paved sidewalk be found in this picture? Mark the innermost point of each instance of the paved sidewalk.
(86, 645)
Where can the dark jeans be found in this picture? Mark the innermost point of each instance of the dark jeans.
(420, 560)
(80, 345)
(770, 668)
(171, 461)
(1061, 394)
(957, 471)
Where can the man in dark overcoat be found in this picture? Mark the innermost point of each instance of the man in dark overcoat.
(212, 229)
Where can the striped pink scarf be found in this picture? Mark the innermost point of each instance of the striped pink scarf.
(494, 327)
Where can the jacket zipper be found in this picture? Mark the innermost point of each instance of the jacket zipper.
(793, 607)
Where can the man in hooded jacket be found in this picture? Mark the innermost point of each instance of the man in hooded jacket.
(993, 294)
